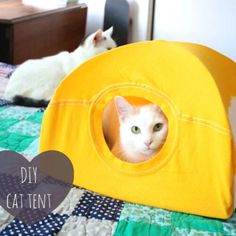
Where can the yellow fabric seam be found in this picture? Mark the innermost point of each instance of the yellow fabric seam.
(206, 123)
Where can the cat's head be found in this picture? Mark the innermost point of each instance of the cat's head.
(100, 40)
(143, 129)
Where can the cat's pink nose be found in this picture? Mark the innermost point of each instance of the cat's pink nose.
(148, 143)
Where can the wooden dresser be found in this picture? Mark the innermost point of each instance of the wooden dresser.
(29, 32)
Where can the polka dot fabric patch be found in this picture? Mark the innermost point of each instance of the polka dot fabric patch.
(95, 206)
(50, 225)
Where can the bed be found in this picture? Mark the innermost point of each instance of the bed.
(84, 212)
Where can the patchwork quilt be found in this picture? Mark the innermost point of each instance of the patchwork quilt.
(86, 213)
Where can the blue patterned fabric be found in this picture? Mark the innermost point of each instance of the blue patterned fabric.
(99, 207)
(48, 226)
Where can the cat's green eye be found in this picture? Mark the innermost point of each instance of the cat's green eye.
(157, 127)
(136, 130)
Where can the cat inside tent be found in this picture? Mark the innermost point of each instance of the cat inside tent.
(194, 87)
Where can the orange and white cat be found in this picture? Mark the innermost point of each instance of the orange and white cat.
(142, 131)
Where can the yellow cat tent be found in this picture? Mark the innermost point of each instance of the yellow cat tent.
(193, 85)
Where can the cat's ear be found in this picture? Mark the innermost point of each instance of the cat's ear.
(109, 31)
(123, 107)
(156, 108)
(97, 37)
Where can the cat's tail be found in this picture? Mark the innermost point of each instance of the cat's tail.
(29, 102)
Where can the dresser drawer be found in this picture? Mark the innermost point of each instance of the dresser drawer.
(27, 32)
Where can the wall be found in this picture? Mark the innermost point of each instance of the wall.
(208, 22)
(95, 15)
(139, 13)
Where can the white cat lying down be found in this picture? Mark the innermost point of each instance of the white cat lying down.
(34, 81)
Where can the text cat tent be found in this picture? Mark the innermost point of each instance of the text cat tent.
(193, 84)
